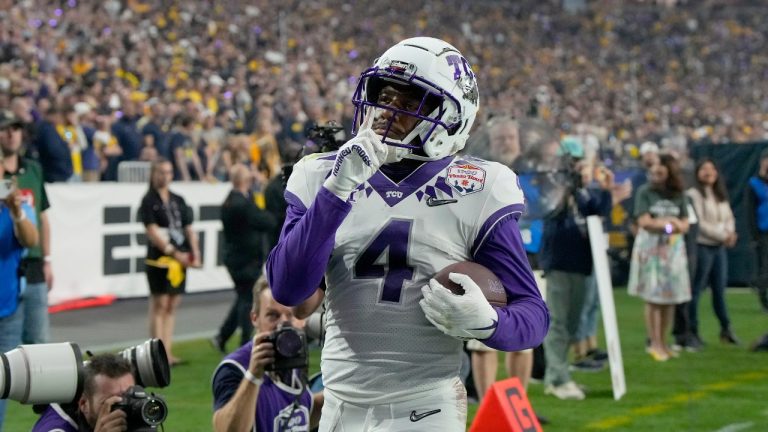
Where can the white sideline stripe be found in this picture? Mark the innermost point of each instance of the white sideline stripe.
(116, 346)
(736, 427)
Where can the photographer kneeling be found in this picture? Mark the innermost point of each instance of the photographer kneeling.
(107, 377)
(266, 375)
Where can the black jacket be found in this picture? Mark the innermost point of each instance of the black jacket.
(245, 226)
(565, 243)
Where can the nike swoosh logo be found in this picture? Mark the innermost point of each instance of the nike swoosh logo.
(416, 417)
(432, 202)
(490, 327)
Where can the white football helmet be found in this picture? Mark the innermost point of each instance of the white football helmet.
(443, 75)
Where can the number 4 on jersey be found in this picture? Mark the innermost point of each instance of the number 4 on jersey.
(392, 239)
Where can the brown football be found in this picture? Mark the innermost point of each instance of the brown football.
(487, 281)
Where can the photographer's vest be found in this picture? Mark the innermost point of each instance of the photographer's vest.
(761, 192)
(275, 403)
(55, 418)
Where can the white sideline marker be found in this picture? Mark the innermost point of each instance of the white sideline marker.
(599, 245)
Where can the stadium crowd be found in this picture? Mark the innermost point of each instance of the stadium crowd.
(209, 85)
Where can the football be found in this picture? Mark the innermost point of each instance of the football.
(487, 281)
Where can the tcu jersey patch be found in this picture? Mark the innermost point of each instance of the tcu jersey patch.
(466, 178)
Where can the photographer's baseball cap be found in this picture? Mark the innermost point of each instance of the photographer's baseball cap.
(8, 119)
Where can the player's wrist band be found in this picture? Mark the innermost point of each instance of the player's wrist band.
(169, 249)
(252, 378)
(47, 258)
(20, 218)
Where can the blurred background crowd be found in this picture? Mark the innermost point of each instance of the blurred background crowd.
(209, 84)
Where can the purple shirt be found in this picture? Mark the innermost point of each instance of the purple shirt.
(275, 402)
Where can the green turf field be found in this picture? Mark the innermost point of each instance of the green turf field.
(722, 388)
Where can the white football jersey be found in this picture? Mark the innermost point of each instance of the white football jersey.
(379, 346)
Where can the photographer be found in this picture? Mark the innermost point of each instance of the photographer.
(241, 381)
(567, 260)
(18, 230)
(107, 377)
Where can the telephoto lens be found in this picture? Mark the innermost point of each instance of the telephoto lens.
(149, 362)
(41, 374)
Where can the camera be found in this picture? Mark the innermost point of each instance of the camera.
(53, 373)
(144, 412)
(290, 345)
(324, 137)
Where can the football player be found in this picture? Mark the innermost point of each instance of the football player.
(377, 219)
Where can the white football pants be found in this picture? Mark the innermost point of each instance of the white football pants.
(441, 410)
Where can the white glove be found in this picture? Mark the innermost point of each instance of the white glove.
(356, 162)
(467, 316)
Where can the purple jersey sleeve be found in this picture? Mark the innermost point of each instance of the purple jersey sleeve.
(297, 263)
(524, 321)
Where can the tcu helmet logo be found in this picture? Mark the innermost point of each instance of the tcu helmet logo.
(466, 178)
(394, 194)
(462, 72)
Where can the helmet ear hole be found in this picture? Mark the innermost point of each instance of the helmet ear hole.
(459, 128)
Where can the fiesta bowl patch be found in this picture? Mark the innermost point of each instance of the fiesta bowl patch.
(466, 178)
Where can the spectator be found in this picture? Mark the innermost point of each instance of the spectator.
(127, 133)
(107, 377)
(77, 137)
(402, 148)
(154, 129)
(659, 266)
(241, 385)
(53, 151)
(107, 147)
(187, 165)
(757, 200)
(265, 156)
(172, 247)
(504, 140)
(587, 355)
(681, 328)
(37, 261)
(245, 226)
(17, 231)
(566, 259)
(717, 231)
(214, 137)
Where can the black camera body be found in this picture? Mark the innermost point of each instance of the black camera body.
(290, 345)
(144, 412)
(322, 139)
(324, 136)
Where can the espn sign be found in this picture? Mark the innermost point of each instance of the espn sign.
(98, 243)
